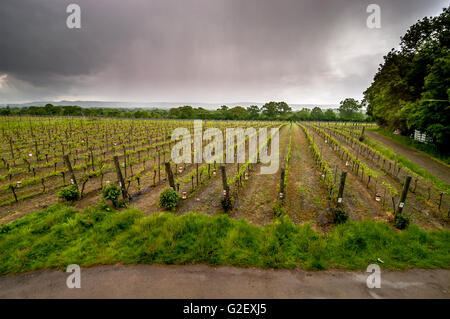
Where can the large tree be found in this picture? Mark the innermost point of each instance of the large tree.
(274, 110)
(349, 109)
(303, 115)
(237, 113)
(253, 112)
(283, 109)
(329, 115)
(270, 110)
(316, 114)
(411, 88)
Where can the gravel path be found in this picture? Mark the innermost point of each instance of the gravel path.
(439, 170)
(201, 281)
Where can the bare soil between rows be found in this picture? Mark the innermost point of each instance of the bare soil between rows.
(421, 211)
(260, 192)
(306, 196)
(358, 201)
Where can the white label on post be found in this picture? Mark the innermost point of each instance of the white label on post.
(401, 205)
(340, 200)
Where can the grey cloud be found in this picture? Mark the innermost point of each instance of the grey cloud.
(221, 50)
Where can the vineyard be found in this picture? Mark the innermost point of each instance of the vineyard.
(323, 168)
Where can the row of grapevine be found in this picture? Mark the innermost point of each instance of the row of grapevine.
(393, 168)
(237, 178)
(381, 189)
(321, 163)
(93, 164)
(205, 168)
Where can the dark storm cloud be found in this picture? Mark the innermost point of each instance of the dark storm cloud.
(228, 50)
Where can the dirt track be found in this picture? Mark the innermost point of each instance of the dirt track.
(437, 169)
(306, 196)
(200, 281)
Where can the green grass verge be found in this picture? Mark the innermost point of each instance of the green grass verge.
(404, 161)
(61, 235)
(428, 149)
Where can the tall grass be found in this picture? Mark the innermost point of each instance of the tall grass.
(60, 235)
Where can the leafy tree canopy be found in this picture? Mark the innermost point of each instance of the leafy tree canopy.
(411, 88)
(349, 109)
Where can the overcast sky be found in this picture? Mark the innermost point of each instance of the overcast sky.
(217, 51)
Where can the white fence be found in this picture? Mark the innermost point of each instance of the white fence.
(422, 137)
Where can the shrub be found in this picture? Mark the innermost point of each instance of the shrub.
(401, 221)
(69, 193)
(5, 228)
(278, 209)
(339, 215)
(318, 264)
(120, 203)
(227, 203)
(112, 192)
(168, 199)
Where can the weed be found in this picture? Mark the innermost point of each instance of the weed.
(69, 193)
(112, 192)
(401, 221)
(227, 203)
(340, 216)
(168, 199)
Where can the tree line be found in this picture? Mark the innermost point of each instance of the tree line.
(349, 110)
(411, 90)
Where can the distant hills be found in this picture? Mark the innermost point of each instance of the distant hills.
(161, 105)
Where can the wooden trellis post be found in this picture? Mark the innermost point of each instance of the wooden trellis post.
(69, 167)
(120, 178)
(196, 171)
(226, 189)
(169, 174)
(282, 174)
(401, 203)
(159, 166)
(124, 161)
(341, 187)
